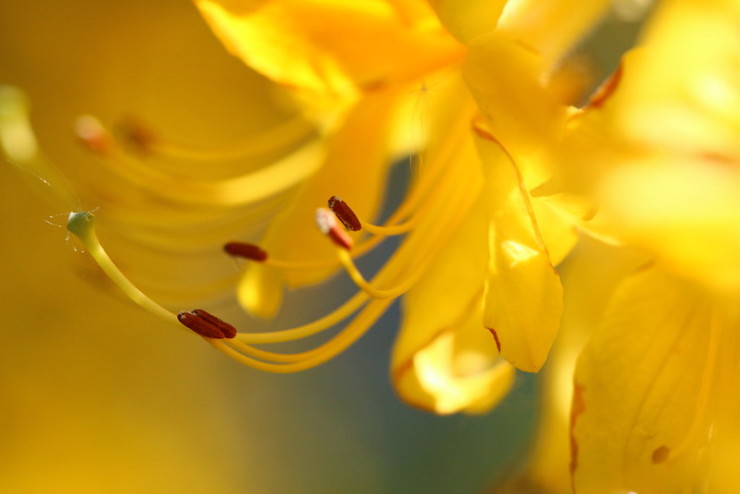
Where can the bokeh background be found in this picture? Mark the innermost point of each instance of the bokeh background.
(98, 396)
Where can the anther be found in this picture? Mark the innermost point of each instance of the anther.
(206, 324)
(245, 250)
(327, 223)
(140, 137)
(227, 329)
(345, 214)
(93, 135)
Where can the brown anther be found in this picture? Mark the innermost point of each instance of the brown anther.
(227, 329)
(327, 223)
(245, 250)
(137, 135)
(345, 214)
(200, 325)
(93, 135)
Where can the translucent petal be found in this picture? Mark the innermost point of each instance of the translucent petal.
(505, 79)
(551, 27)
(330, 47)
(444, 360)
(468, 19)
(642, 387)
(523, 300)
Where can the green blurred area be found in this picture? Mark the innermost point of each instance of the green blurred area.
(97, 396)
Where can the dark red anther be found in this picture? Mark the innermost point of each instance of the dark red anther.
(227, 329)
(345, 214)
(206, 324)
(245, 250)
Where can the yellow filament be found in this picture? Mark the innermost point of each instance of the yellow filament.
(82, 225)
(251, 187)
(306, 360)
(275, 140)
(312, 328)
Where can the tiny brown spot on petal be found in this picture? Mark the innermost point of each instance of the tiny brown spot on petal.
(245, 250)
(345, 214)
(495, 338)
(660, 455)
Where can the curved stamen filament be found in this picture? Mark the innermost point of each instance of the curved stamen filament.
(283, 136)
(306, 360)
(247, 188)
(82, 224)
(336, 316)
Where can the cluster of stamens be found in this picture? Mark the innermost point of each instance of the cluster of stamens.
(423, 217)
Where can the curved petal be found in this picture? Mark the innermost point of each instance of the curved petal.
(551, 27)
(642, 388)
(330, 48)
(468, 19)
(505, 79)
(444, 360)
(523, 300)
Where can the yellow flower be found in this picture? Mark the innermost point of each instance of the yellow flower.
(654, 403)
(469, 206)
(470, 87)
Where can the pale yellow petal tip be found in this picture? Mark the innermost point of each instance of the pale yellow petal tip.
(439, 381)
(260, 291)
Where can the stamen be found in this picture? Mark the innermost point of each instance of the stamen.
(345, 214)
(93, 135)
(140, 137)
(327, 223)
(286, 135)
(227, 329)
(206, 324)
(246, 251)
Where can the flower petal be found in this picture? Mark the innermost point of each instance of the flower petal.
(468, 19)
(444, 360)
(551, 27)
(330, 48)
(642, 387)
(504, 77)
(355, 167)
(523, 300)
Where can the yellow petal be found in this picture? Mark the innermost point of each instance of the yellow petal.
(505, 79)
(685, 211)
(354, 169)
(551, 27)
(642, 387)
(444, 360)
(468, 19)
(330, 47)
(523, 300)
